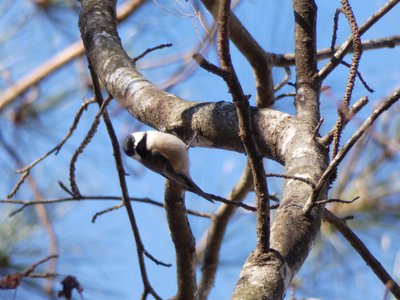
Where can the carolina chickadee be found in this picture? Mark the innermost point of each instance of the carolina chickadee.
(165, 154)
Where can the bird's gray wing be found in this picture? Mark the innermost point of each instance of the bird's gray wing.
(158, 163)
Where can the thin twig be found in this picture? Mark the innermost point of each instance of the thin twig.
(147, 51)
(25, 171)
(245, 128)
(155, 260)
(344, 107)
(348, 44)
(121, 176)
(231, 202)
(71, 130)
(364, 83)
(323, 202)
(335, 28)
(326, 176)
(206, 65)
(302, 179)
(92, 131)
(288, 59)
(65, 189)
(284, 81)
(363, 251)
(12, 281)
(26, 203)
(107, 210)
(284, 95)
(18, 184)
(356, 107)
(333, 43)
(316, 129)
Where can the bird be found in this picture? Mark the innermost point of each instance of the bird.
(164, 154)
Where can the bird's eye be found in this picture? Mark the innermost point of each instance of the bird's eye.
(129, 146)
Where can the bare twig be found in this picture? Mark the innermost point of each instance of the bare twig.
(12, 281)
(358, 74)
(148, 289)
(245, 129)
(302, 179)
(335, 28)
(348, 44)
(233, 203)
(206, 65)
(147, 51)
(283, 60)
(326, 176)
(107, 210)
(92, 131)
(356, 107)
(65, 189)
(25, 171)
(284, 81)
(26, 203)
(316, 129)
(333, 43)
(323, 202)
(18, 184)
(363, 251)
(155, 260)
(284, 95)
(343, 110)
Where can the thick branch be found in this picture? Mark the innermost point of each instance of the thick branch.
(183, 240)
(307, 84)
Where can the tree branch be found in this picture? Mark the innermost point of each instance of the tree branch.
(260, 60)
(344, 107)
(245, 129)
(348, 44)
(327, 175)
(307, 84)
(148, 289)
(183, 240)
(285, 60)
(363, 251)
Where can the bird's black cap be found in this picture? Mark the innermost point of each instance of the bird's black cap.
(129, 145)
